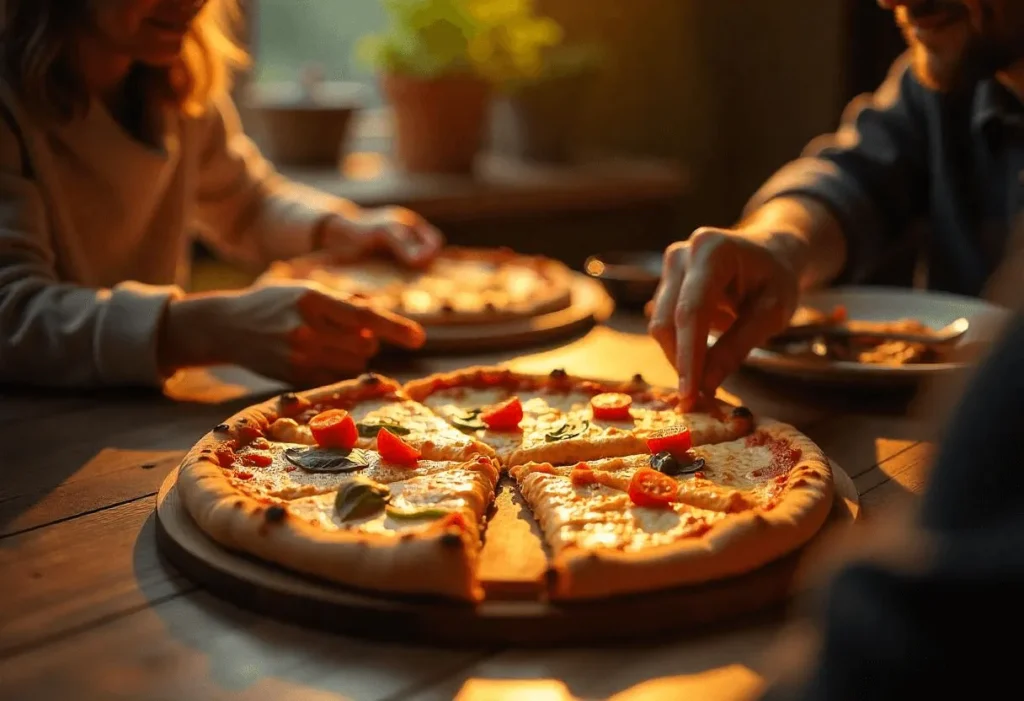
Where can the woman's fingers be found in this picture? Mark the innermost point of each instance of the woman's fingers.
(323, 308)
(415, 245)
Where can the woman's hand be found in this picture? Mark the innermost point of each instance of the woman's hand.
(298, 332)
(402, 232)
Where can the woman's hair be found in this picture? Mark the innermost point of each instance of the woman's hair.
(37, 43)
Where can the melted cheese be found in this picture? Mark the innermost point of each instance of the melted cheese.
(429, 433)
(463, 286)
(457, 489)
(601, 517)
(283, 480)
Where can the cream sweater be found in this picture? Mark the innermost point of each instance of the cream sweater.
(95, 234)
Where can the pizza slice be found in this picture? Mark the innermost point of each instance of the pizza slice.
(559, 418)
(353, 414)
(380, 517)
(678, 517)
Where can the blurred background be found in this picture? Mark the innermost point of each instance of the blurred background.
(647, 119)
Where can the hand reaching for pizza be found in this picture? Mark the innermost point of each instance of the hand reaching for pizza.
(725, 281)
(298, 332)
(402, 232)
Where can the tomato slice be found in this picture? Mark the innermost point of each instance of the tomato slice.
(257, 460)
(394, 450)
(652, 489)
(505, 416)
(611, 406)
(674, 439)
(334, 428)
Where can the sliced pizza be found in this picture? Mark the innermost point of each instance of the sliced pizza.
(371, 513)
(675, 516)
(560, 418)
(353, 414)
(461, 286)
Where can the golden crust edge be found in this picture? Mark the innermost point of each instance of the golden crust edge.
(428, 562)
(733, 547)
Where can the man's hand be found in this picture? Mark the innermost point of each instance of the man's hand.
(298, 332)
(721, 280)
(402, 232)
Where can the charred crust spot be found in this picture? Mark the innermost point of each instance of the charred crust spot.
(243, 421)
(558, 374)
(489, 307)
(742, 412)
(221, 428)
(447, 308)
(206, 451)
(369, 379)
(451, 539)
(639, 379)
(238, 504)
(275, 514)
(289, 398)
(407, 536)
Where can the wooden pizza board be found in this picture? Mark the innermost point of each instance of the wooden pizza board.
(512, 569)
(590, 304)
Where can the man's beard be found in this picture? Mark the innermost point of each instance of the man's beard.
(977, 60)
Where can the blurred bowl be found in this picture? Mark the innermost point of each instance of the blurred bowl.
(298, 126)
(631, 277)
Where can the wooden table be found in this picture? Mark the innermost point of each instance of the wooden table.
(88, 609)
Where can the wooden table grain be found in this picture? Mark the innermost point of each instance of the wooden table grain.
(90, 610)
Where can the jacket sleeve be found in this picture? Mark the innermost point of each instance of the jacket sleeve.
(923, 612)
(248, 211)
(54, 333)
(871, 173)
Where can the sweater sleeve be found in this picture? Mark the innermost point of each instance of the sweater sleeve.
(871, 173)
(53, 333)
(248, 211)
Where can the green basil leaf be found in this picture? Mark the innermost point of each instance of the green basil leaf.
(566, 430)
(316, 459)
(360, 497)
(469, 420)
(412, 514)
(370, 429)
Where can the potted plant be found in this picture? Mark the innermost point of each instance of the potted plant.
(537, 116)
(439, 61)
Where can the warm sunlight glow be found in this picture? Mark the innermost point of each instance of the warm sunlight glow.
(363, 166)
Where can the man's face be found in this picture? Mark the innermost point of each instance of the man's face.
(955, 41)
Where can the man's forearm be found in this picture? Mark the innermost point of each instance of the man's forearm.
(806, 235)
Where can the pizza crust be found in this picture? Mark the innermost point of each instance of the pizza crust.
(735, 544)
(436, 559)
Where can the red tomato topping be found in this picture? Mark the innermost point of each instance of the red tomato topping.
(651, 488)
(582, 475)
(674, 439)
(225, 456)
(394, 450)
(243, 475)
(505, 416)
(611, 406)
(334, 428)
(257, 460)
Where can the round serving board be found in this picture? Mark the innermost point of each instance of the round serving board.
(590, 304)
(511, 614)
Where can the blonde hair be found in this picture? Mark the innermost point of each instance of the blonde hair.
(37, 45)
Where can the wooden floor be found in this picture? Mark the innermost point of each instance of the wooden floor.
(88, 609)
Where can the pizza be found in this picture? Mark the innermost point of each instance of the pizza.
(862, 345)
(461, 286)
(388, 487)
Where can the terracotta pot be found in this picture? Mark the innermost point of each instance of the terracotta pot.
(439, 123)
(296, 128)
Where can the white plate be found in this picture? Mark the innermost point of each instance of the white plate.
(878, 304)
